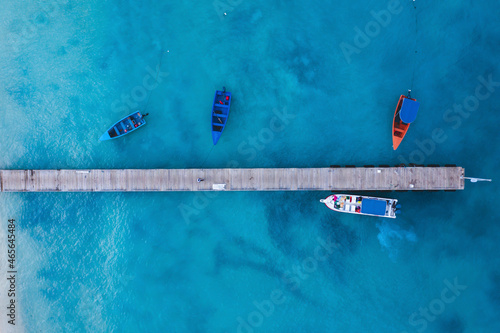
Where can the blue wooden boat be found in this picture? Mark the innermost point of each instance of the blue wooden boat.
(220, 113)
(125, 126)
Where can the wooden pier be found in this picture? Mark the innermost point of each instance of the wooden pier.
(290, 179)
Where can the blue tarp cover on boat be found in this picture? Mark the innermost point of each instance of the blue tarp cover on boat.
(374, 207)
(409, 110)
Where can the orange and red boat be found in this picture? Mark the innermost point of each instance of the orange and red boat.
(405, 114)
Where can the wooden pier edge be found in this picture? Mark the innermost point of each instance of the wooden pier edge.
(368, 178)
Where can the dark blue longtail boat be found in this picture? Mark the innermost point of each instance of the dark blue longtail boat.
(220, 113)
(125, 126)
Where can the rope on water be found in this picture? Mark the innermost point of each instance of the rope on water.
(206, 158)
(416, 50)
(156, 78)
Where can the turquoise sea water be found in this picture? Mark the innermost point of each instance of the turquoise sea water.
(308, 91)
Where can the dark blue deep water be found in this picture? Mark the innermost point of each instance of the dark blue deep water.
(314, 84)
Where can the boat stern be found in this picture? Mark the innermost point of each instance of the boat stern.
(393, 208)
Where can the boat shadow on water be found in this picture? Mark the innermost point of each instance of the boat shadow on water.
(288, 223)
(239, 254)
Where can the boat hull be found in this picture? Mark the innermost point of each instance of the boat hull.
(124, 126)
(361, 205)
(220, 113)
(399, 128)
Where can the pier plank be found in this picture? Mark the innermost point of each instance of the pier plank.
(278, 179)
